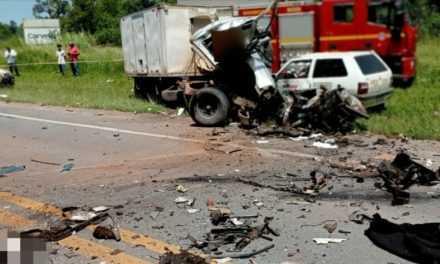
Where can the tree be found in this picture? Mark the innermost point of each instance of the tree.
(426, 16)
(13, 27)
(107, 22)
(50, 8)
(81, 16)
(130, 6)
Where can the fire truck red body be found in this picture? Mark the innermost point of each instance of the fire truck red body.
(342, 25)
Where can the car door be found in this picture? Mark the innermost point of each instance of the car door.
(294, 75)
(330, 73)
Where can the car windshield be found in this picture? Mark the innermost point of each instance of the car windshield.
(370, 64)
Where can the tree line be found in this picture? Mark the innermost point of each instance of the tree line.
(101, 17)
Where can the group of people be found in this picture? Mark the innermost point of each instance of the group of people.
(73, 53)
(73, 59)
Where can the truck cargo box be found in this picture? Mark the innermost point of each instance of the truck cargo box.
(155, 41)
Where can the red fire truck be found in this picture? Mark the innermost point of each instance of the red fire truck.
(342, 25)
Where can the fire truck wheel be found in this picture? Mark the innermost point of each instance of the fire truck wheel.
(209, 107)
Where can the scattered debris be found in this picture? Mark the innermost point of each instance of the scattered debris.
(324, 145)
(235, 231)
(100, 208)
(11, 169)
(301, 138)
(66, 230)
(348, 166)
(229, 149)
(220, 215)
(102, 232)
(330, 227)
(82, 216)
(403, 172)
(358, 217)
(46, 162)
(257, 203)
(237, 222)
(181, 188)
(182, 200)
(328, 240)
(107, 230)
(180, 111)
(67, 167)
(192, 210)
(116, 252)
(183, 257)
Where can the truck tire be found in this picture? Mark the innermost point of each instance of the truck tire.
(209, 107)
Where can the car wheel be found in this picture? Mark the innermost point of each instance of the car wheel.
(209, 107)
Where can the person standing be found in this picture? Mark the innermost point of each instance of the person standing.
(11, 57)
(61, 55)
(73, 58)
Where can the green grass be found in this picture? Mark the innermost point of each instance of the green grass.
(415, 112)
(102, 84)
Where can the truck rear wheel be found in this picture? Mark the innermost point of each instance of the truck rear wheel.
(209, 107)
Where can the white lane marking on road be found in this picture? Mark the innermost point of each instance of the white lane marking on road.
(111, 129)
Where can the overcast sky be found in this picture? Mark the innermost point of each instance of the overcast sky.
(16, 10)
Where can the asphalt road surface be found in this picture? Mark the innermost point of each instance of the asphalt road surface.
(133, 163)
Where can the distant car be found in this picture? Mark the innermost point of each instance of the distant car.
(363, 73)
(6, 78)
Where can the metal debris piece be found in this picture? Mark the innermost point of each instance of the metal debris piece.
(116, 252)
(328, 240)
(191, 201)
(403, 172)
(102, 232)
(324, 145)
(180, 111)
(100, 208)
(330, 227)
(220, 215)
(228, 149)
(82, 216)
(181, 200)
(107, 230)
(359, 218)
(67, 167)
(237, 222)
(192, 210)
(12, 169)
(46, 162)
(244, 255)
(181, 188)
(68, 230)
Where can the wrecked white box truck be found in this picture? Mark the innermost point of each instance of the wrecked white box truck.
(221, 70)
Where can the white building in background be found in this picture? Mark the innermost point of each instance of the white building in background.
(41, 31)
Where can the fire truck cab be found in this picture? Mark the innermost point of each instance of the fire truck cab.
(300, 27)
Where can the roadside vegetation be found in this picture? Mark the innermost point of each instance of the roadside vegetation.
(415, 111)
(102, 84)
